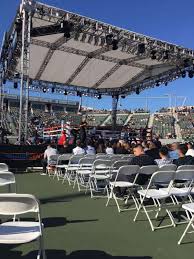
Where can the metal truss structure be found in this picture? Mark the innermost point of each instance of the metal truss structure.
(51, 48)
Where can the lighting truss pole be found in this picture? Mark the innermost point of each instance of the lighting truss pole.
(115, 99)
(25, 64)
(1, 97)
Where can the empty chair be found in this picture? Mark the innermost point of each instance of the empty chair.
(7, 178)
(51, 165)
(100, 174)
(126, 170)
(21, 232)
(62, 164)
(4, 167)
(158, 196)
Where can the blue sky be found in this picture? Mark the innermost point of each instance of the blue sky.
(170, 20)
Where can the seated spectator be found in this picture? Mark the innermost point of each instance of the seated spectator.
(90, 150)
(78, 150)
(164, 158)
(109, 150)
(50, 151)
(173, 153)
(120, 149)
(141, 159)
(183, 159)
(190, 151)
(153, 151)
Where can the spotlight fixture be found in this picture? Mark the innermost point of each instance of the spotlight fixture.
(65, 92)
(99, 96)
(115, 44)
(52, 90)
(166, 54)
(153, 54)
(141, 48)
(109, 39)
(67, 28)
(166, 84)
(123, 96)
(44, 90)
(183, 74)
(157, 83)
(79, 94)
(137, 91)
(15, 85)
(190, 74)
(4, 81)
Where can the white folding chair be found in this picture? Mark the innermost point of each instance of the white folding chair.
(158, 196)
(83, 172)
(117, 164)
(21, 232)
(186, 167)
(7, 178)
(4, 167)
(60, 166)
(189, 208)
(147, 171)
(72, 167)
(127, 170)
(52, 162)
(101, 170)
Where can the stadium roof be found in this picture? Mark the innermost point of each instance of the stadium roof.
(71, 50)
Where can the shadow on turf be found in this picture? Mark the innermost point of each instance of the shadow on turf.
(62, 198)
(60, 254)
(60, 221)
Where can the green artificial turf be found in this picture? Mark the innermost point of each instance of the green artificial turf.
(77, 226)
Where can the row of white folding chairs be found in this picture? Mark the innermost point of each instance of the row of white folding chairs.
(19, 204)
(159, 195)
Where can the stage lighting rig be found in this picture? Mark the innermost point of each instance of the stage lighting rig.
(15, 85)
(190, 74)
(141, 48)
(137, 91)
(44, 90)
(52, 90)
(67, 28)
(123, 96)
(4, 81)
(153, 54)
(65, 92)
(99, 96)
(183, 74)
(157, 83)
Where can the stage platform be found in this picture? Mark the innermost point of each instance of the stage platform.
(79, 227)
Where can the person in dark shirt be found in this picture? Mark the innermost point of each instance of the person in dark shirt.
(82, 133)
(153, 151)
(141, 159)
(183, 159)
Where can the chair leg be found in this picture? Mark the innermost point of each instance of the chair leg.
(186, 229)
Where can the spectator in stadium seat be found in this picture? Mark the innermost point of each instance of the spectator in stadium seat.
(153, 151)
(164, 158)
(183, 159)
(109, 150)
(190, 151)
(47, 153)
(78, 150)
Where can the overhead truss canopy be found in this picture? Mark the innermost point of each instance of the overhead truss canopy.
(78, 53)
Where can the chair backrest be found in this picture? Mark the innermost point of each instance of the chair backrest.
(119, 163)
(186, 167)
(90, 156)
(4, 167)
(101, 166)
(129, 170)
(64, 157)
(170, 167)
(6, 177)
(16, 204)
(162, 177)
(86, 161)
(148, 169)
(75, 159)
(53, 159)
(184, 175)
(105, 157)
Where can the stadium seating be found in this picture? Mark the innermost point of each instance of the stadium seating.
(138, 121)
(163, 125)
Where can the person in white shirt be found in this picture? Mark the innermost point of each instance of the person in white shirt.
(190, 151)
(109, 150)
(50, 151)
(78, 150)
(90, 150)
